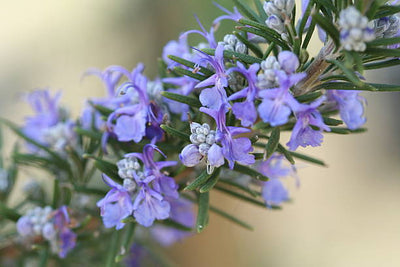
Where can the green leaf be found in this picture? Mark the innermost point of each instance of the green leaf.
(176, 225)
(307, 158)
(385, 11)
(189, 73)
(308, 97)
(342, 130)
(240, 196)
(192, 102)
(286, 153)
(382, 64)
(384, 41)
(347, 72)
(249, 171)
(112, 249)
(211, 181)
(243, 188)
(90, 191)
(267, 35)
(101, 109)
(173, 132)
(327, 26)
(248, 12)
(191, 64)
(374, 87)
(202, 179)
(234, 55)
(260, 10)
(224, 214)
(256, 50)
(382, 52)
(88, 133)
(332, 122)
(108, 168)
(273, 142)
(231, 218)
(7, 213)
(126, 241)
(202, 214)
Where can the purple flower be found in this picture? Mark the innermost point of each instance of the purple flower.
(138, 117)
(229, 15)
(215, 96)
(178, 48)
(273, 191)
(307, 116)
(274, 167)
(53, 226)
(150, 205)
(209, 36)
(278, 102)
(246, 111)
(49, 126)
(149, 188)
(233, 149)
(350, 105)
(116, 205)
(66, 237)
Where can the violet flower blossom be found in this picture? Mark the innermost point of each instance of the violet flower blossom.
(278, 103)
(209, 36)
(215, 96)
(350, 105)
(246, 111)
(229, 15)
(232, 149)
(302, 133)
(273, 191)
(146, 200)
(49, 126)
(53, 226)
(142, 117)
(116, 205)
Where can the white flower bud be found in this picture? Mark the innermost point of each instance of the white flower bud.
(203, 149)
(194, 126)
(129, 185)
(193, 139)
(210, 139)
(201, 138)
(241, 48)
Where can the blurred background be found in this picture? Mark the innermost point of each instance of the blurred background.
(344, 215)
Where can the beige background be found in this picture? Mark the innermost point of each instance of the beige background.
(344, 215)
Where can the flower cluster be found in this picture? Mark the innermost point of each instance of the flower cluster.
(52, 225)
(145, 192)
(216, 109)
(355, 31)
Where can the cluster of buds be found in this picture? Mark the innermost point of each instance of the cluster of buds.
(128, 168)
(51, 225)
(232, 43)
(355, 31)
(278, 11)
(36, 222)
(267, 78)
(59, 136)
(202, 137)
